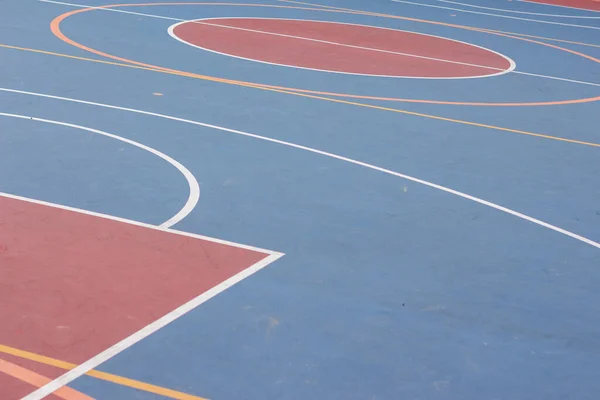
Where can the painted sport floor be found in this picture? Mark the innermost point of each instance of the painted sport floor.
(330, 199)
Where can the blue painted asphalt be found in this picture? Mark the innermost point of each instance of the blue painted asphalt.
(388, 290)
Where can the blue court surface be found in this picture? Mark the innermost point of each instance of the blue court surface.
(424, 174)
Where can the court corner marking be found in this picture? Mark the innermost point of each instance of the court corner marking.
(94, 362)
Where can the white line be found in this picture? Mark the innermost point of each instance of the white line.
(194, 187)
(497, 15)
(557, 79)
(558, 5)
(510, 60)
(518, 12)
(140, 224)
(148, 330)
(331, 155)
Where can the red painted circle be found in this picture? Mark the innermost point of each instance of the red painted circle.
(338, 47)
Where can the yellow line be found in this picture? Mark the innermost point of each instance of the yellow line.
(406, 112)
(119, 380)
(50, 53)
(458, 121)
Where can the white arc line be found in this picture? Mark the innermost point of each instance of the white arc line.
(502, 71)
(495, 15)
(511, 69)
(327, 154)
(194, 187)
(517, 12)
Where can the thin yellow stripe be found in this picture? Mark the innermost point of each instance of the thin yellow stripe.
(119, 380)
(406, 112)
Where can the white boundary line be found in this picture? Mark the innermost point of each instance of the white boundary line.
(503, 71)
(518, 12)
(558, 5)
(193, 186)
(148, 330)
(326, 154)
(496, 15)
(180, 20)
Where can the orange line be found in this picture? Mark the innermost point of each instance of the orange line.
(38, 380)
(55, 27)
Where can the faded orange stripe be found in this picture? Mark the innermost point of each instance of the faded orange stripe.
(38, 380)
(119, 380)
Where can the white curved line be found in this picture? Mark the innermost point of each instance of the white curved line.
(502, 71)
(518, 12)
(193, 185)
(327, 154)
(497, 15)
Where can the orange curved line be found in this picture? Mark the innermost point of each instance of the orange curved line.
(55, 28)
(38, 380)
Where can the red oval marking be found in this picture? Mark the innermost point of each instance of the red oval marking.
(344, 48)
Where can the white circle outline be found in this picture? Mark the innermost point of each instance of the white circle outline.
(194, 187)
(512, 64)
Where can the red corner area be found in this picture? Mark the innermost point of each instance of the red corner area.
(340, 47)
(72, 284)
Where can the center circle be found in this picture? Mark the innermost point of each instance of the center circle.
(342, 48)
